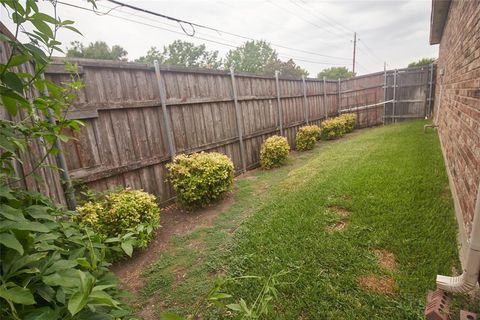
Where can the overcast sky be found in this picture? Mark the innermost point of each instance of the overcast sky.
(393, 31)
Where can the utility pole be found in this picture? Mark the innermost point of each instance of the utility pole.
(354, 49)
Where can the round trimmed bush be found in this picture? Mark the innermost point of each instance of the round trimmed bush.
(274, 152)
(306, 137)
(200, 178)
(117, 213)
(333, 128)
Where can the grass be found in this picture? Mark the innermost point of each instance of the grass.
(393, 182)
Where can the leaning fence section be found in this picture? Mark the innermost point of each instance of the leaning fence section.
(138, 117)
(409, 93)
(389, 97)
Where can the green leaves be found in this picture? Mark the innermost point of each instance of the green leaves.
(12, 81)
(335, 73)
(80, 298)
(24, 225)
(128, 247)
(306, 137)
(338, 126)
(65, 278)
(9, 241)
(200, 178)
(137, 210)
(170, 316)
(18, 60)
(20, 71)
(58, 263)
(39, 212)
(17, 295)
(274, 152)
(11, 213)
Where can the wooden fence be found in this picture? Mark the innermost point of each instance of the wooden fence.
(126, 141)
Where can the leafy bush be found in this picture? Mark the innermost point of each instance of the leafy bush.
(337, 127)
(274, 152)
(51, 267)
(350, 121)
(125, 216)
(333, 128)
(200, 178)
(306, 137)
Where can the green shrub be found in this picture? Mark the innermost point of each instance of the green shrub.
(332, 128)
(200, 178)
(350, 121)
(117, 214)
(52, 268)
(274, 152)
(306, 137)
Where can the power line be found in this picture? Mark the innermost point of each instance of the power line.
(371, 52)
(337, 23)
(197, 37)
(193, 25)
(335, 28)
(323, 28)
(280, 46)
(363, 67)
(367, 55)
(348, 30)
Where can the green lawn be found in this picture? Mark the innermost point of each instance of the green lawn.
(392, 182)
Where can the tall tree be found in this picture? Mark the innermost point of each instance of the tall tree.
(253, 56)
(291, 69)
(421, 62)
(96, 50)
(183, 53)
(335, 73)
(259, 57)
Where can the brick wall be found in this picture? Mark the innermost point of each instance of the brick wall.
(457, 105)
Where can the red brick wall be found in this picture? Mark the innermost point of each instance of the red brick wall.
(457, 104)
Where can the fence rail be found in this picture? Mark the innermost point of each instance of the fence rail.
(137, 116)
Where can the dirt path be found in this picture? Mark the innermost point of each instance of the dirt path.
(174, 222)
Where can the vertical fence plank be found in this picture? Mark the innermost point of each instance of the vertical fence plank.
(339, 86)
(384, 94)
(305, 101)
(238, 118)
(166, 118)
(325, 97)
(279, 105)
(394, 120)
(429, 110)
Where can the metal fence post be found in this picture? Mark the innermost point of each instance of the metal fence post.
(339, 102)
(325, 98)
(384, 94)
(305, 101)
(429, 111)
(279, 106)
(394, 119)
(166, 117)
(238, 117)
(68, 189)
